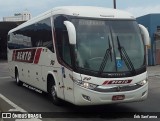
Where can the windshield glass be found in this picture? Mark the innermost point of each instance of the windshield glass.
(130, 39)
(94, 37)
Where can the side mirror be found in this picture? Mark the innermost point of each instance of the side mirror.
(145, 35)
(71, 32)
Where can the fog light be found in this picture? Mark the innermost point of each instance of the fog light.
(86, 97)
(85, 84)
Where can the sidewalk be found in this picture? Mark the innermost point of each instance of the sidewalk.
(153, 70)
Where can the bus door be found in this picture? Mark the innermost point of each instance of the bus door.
(68, 84)
(64, 57)
(65, 72)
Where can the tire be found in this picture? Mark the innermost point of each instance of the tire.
(18, 82)
(53, 93)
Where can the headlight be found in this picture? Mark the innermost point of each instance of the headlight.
(143, 82)
(84, 84)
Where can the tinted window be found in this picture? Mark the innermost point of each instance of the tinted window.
(96, 37)
(62, 41)
(35, 35)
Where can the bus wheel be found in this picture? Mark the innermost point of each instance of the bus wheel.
(19, 83)
(53, 95)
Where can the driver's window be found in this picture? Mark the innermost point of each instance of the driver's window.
(62, 40)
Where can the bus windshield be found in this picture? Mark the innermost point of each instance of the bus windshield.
(96, 38)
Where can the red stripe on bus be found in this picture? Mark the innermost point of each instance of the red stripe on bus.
(38, 53)
(105, 83)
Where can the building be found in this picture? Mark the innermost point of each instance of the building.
(4, 28)
(152, 23)
(24, 16)
(7, 24)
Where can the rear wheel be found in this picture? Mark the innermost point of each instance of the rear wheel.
(53, 93)
(19, 83)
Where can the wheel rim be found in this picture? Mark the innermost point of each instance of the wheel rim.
(53, 92)
(17, 78)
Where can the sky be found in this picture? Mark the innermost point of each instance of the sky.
(36, 7)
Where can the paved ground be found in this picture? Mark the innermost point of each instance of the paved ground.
(154, 70)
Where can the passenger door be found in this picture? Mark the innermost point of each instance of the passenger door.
(64, 56)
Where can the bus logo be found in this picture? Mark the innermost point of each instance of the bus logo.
(117, 82)
(27, 55)
(24, 56)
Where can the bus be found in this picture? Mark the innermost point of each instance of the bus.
(81, 54)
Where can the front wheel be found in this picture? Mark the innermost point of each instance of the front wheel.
(53, 95)
(18, 82)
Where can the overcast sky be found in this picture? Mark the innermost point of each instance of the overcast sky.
(35, 7)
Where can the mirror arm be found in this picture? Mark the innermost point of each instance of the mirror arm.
(145, 34)
(71, 32)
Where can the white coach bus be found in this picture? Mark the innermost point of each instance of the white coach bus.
(83, 55)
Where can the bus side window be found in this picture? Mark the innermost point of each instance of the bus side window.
(62, 40)
(43, 34)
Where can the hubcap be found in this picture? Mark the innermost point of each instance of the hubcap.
(17, 78)
(53, 92)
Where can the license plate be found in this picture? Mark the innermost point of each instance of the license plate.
(118, 97)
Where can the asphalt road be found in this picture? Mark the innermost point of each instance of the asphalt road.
(32, 101)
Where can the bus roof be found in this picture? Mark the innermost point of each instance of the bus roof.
(91, 11)
(80, 11)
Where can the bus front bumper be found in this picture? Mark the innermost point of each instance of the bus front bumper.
(85, 96)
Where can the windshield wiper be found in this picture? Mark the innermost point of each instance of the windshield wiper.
(125, 57)
(105, 58)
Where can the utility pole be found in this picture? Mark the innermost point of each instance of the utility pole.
(114, 3)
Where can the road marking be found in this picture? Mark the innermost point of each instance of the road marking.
(6, 77)
(12, 104)
(17, 108)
